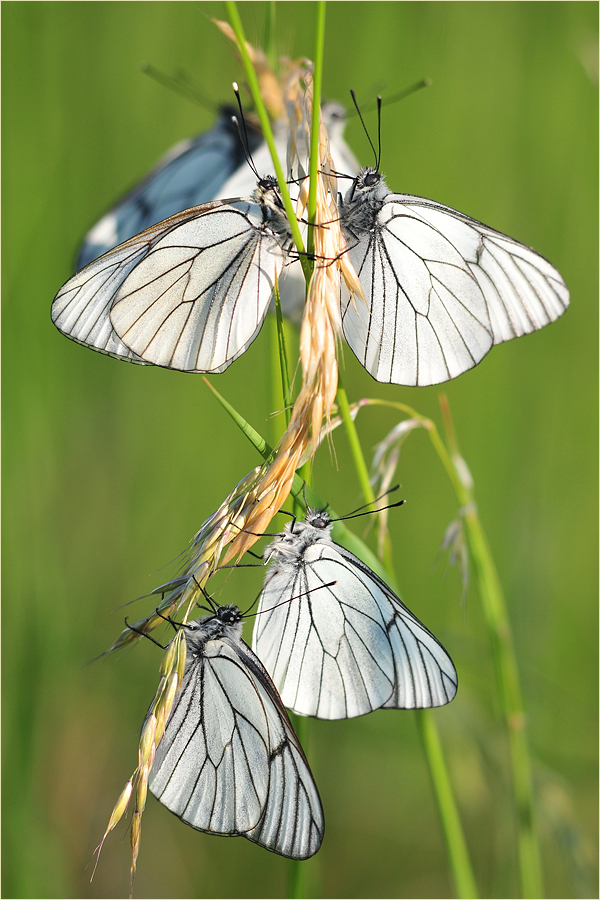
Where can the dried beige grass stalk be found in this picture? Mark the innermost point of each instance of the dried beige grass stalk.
(247, 512)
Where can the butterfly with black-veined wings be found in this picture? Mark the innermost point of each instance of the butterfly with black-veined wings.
(354, 646)
(441, 288)
(229, 762)
(190, 293)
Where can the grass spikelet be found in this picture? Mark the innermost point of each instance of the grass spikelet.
(115, 817)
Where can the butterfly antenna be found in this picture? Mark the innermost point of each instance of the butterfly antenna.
(376, 500)
(362, 122)
(368, 512)
(338, 174)
(378, 132)
(412, 89)
(207, 597)
(394, 98)
(362, 511)
(181, 84)
(243, 138)
(143, 633)
(289, 600)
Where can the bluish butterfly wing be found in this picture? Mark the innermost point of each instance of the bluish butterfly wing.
(189, 174)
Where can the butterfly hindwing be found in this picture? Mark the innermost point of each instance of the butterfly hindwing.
(292, 823)
(424, 673)
(198, 299)
(211, 767)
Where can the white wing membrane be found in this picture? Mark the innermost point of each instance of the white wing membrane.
(292, 823)
(199, 298)
(81, 309)
(348, 648)
(209, 750)
(229, 761)
(190, 293)
(441, 289)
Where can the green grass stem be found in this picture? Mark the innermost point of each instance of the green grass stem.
(462, 871)
(283, 357)
(270, 36)
(267, 131)
(355, 448)
(505, 661)
(451, 826)
(316, 120)
(507, 674)
(297, 879)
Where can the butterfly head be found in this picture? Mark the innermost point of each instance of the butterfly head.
(226, 622)
(229, 615)
(368, 187)
(267, 192)
(317, 518)
(288, 547)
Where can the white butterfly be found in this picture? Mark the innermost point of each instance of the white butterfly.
(441, 288)
(229, 762)
(190, 293)
(190, 173)
(351, 647)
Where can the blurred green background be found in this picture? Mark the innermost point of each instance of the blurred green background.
(109, 469)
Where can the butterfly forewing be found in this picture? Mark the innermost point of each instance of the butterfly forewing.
(528, 291)
(199, 298)
(324, 649)
(81, 309)
(229, 761)
(211, 767)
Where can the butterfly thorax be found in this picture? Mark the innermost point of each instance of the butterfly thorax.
(364, 199)
(296, 537)
(227, 623)
(269, 199)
